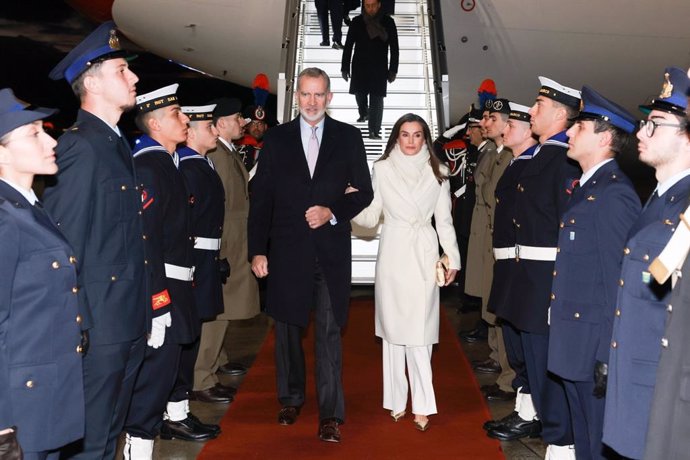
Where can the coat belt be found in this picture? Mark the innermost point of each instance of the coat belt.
(526, 252)
(209, 244)
(179, 273)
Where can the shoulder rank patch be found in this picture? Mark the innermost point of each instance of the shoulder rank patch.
(160, 300)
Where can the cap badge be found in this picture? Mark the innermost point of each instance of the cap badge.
(498, 105)
(667, 89)
(488, 103)
(259, 113)
(113, 41)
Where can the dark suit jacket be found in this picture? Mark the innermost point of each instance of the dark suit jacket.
(282, 192)
(96, 202)
(41, 388)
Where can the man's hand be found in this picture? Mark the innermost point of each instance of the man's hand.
(346, 76)
(260, 266)
(391, 76)
(601, 372)
(450, 275)
(316, 216)
(224, 269)
(9, 446)
(158, 326)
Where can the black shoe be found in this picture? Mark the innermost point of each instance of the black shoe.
(186, 430)
(500, 395)
(347, 20)
(475, 335)
(337, 45)
(362, 119)
(232, 369)
(374, 136)
(325, 43)
(488, 366)
(493, 424)
(212, 395)
(488, 388)
(516, 430)
(205, 426)
(288, 415)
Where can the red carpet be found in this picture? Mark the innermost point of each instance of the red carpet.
(251, 430)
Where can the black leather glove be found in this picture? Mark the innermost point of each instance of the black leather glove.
(85, 342)
(601, 373)
(346, 76)
(9, 446)
(224, 269)
(391, 76)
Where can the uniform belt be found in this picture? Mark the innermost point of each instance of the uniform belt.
(525, 252)
(179, 273)
(209, 244)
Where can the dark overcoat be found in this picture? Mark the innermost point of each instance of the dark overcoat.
(41, 388)
(207, 211)
(594, 229)
(638, 325)
(282, 193)
(96, 202)
(370, 66)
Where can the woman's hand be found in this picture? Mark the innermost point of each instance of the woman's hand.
(450, 275)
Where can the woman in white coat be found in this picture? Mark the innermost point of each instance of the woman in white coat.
(410, 187)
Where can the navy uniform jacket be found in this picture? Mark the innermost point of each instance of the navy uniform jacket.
(543, 191)
(169, 240)
(639, 322)
(208, 210)
(282, 192)
(41, 389)
(96, 202)
(594, 229)
(503, 235)
(667, 435)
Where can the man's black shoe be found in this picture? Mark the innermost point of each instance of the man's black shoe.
(493, 424)
(362, 119)
(475, 335)
(488, 388)
(374, 136)
(232, 369)
(204, 426)
(488, 366)
(347, 20)
(214, 394)
(337, 45)
(500, 395)
(516, 430)
(185, 430)
(325, 43)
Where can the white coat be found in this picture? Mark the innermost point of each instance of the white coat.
(407, 298)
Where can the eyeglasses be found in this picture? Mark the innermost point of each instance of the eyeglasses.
(650, 126)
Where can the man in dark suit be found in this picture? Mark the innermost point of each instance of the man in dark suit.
(594, 227)
(96, 202)
(335, 8)
(299, 232)
(372, 34)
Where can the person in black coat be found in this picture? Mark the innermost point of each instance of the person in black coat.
(299, 236)
(335, 8)
(96, 202)
(41, 385)
(372, 34)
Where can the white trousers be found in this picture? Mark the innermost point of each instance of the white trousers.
(395, 382)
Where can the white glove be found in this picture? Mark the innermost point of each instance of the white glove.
(158, 325)
(453, 131)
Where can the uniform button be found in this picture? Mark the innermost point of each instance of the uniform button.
(146, 262)
(113, 278)
(29, 384)
(626, 251)
(572, 221)
(645, 257)
(669, 308)
(614, 344)
(139, 212)
(522, 189)
(143, 236)
(517, 225)
(668, 222)
(72, 260)
(75, 290)
(79, 349)
(562, 225)
(553, 296)
(497, 200)
(55, 264)
(576, 315)
(78, 319)
(621, 282)
(215, 258)
(123, 188)
(136, 187)
(554, 273)
(618, 311)
(190, 238)
(558, 249)
(664, 342)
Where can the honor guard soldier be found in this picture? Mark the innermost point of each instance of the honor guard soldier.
(641, 308)
(543, 190)
(41, 396)
(169, 249)
(518, 138)
(251, 143)
(594, 227)
(96, 202)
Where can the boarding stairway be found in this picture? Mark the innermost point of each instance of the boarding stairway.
(412, 91)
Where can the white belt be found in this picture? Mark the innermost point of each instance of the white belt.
(209, 244)
(525, 252)
(179, 273)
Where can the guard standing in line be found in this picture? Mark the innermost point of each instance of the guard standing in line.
(594, 227)
(96, 202)
(640, 317)
(251, 143)
(544, 187)
(169, 247)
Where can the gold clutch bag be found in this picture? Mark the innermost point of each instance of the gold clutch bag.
(442, 266)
